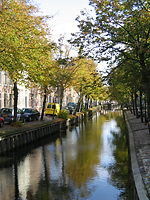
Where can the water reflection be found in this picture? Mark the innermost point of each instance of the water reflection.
(89, 161)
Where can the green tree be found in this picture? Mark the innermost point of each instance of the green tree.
(64, 69)
(118, 30)
(124, 81)
(42, 76)
(23, 37)
(86, 81)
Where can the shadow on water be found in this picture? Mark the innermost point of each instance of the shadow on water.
(14, 158)
(20, 154)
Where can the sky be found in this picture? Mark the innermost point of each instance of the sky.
(64, 12)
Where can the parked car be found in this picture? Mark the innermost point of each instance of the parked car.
(71, 107)
(8, 114)
(1, 121)
(52, 108)
(31, 114)
(71, 104)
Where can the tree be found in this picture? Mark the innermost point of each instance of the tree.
(86, 81)
(64, 69)
(23, 38)
(120, 30)
(42, 76)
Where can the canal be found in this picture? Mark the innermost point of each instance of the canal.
(87, 161)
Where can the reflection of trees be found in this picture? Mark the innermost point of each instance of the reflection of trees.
(76, 172)
(54, 189)
(120, 171)
(76, 162)
(81, 169)
(16, 179)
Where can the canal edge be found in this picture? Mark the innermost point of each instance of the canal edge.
(140, 192)
(17, 140)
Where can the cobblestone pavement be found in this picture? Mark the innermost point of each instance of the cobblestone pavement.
(141, 137)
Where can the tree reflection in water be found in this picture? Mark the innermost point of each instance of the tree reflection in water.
(120, 170)
(73, 165)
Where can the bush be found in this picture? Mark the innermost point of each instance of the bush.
(63, 114)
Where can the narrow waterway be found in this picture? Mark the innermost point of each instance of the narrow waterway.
(88, 161)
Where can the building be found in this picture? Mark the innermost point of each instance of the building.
(6, 90)
(30, 97)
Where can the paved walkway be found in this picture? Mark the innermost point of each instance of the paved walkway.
(8, 127)
(139, 138)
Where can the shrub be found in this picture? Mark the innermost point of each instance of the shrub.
(63, 114)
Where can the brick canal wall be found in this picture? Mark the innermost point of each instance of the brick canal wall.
(14, 141)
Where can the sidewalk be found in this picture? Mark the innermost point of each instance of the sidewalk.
(8, 127)
(139, 140)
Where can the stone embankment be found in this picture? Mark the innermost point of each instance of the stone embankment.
(12, 138)
(139, 147)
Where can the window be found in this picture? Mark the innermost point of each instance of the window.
(30, 100)
(53, 106)
(37, 100)
(5, 100)
(0, 101)
(5, 77)
(25, 101)
(49, 106)
(10, 100)
(41, 101)
(10, 81)
(6, 110)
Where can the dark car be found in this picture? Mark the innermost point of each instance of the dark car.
(71, 107)
(31, 114)
(8, 115)
(71, 104)
(1, 121)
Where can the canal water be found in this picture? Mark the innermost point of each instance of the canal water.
(87, 161)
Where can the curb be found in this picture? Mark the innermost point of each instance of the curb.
(140, 192)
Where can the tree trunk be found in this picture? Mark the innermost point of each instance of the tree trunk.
(133, 110)
(147, 91)
(146, 81)
(141, 107)
(61, 96)
(44, 102)
(145, 117)
(80, 104)
(15, 101)
(86, 102)
(135, 103)
(77, 107)
(80, 100)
